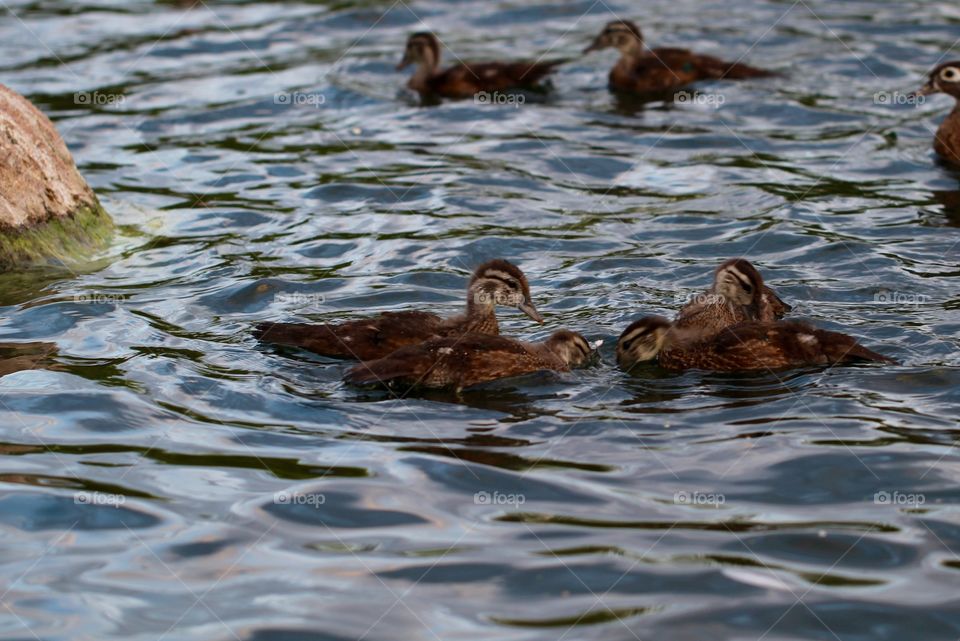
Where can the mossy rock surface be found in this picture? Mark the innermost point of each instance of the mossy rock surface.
(48, 213)
(65, 239)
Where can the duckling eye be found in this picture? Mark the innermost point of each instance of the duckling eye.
(950, 74)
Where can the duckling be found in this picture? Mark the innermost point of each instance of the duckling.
(661, 70)
(496, 282)
(745, 347)
(946, 79)
(466, 79)
(472, 359)
(738, 294)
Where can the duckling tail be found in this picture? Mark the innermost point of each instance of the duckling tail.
(320, 339)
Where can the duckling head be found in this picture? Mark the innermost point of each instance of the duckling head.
(500, 282)
(622, 35)
(423, 50)
(738, 281)
(642, 341)
(571, 347)
(943, 79)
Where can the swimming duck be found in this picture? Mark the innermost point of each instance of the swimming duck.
(471, 359)
(661, 70)
(467, 78)
(946, 79)
(738, 294)
(496, 282)
(745, 347)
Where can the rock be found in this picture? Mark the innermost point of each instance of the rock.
(47, 210)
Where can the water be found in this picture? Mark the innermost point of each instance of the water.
(165, 477)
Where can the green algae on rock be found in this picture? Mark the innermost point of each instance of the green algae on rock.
(47, 210)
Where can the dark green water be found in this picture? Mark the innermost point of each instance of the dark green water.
(164, 477)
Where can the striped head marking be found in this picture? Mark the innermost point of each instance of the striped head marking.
(739, 282)
(423, 49)
(500, 282)
(642, 341)
(571, 347)
(619, 34)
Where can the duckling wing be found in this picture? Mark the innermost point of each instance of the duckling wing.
(361, 339)
(467, 79)
(787, 344)
(667, 67)
(449, 362)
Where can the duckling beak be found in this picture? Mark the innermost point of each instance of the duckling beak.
(594, 46)
(405, 62)
(531, 311)
(927, 89)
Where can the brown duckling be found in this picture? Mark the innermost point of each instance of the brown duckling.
(467, 78)
(738, 294)
(472, 359)
(946, 79)
(745, 347)
(496, 282)
(657, 71)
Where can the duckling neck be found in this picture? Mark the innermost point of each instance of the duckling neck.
(481, 318)
(629, 56)
(947, 141)
(420, 80)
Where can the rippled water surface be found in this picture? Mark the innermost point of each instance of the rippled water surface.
(166, 477)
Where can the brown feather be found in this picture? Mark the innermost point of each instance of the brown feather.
(468, 360)
(761, 346)
(468, 79)
(666, 69)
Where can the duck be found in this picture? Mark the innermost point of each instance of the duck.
(738, 294)
(466, 79)
(946, 79)
(744, 347)
(495, 283)
(661, 70)
(470, 360)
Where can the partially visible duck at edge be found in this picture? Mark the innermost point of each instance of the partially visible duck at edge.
(470, 360)
(466, 79)
(496, 282)
(946, 79)
(658, 71)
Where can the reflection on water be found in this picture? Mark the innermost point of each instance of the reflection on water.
(167, 476)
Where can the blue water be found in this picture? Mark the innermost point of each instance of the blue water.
(166, 477)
